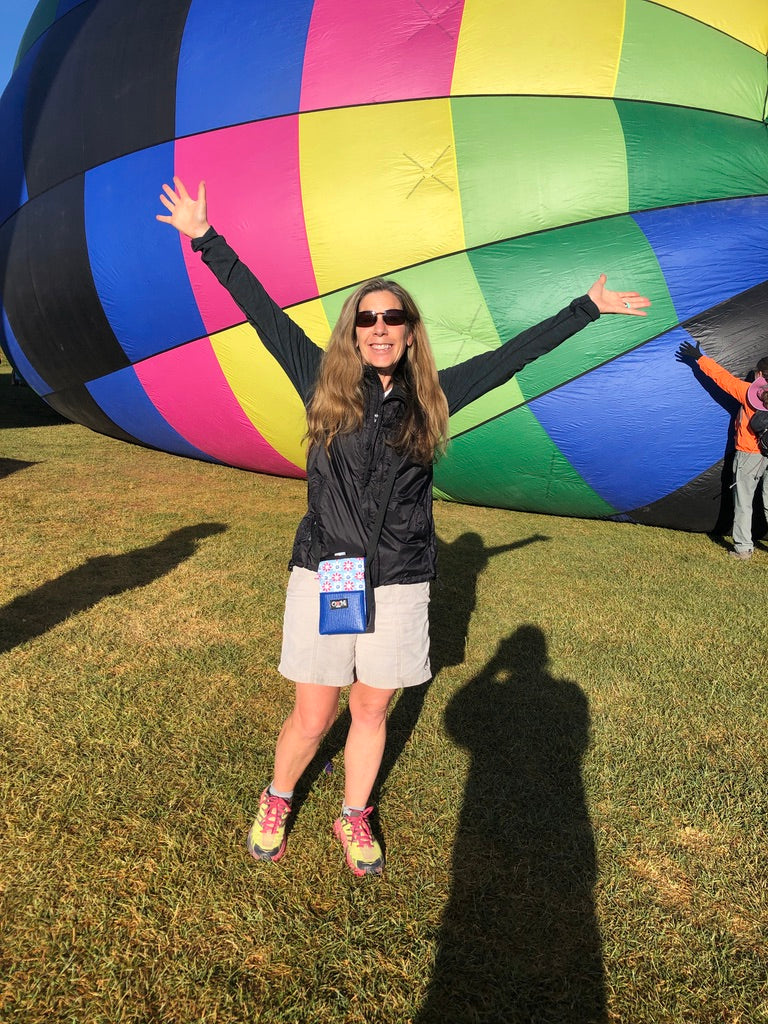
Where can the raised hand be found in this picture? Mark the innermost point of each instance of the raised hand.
(626, 303)
(187, 215)
(688, 353)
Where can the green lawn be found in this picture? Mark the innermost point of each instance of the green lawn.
(574, 811)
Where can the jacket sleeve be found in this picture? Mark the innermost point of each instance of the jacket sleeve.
(286, 341)
(466, 381)
(733, 386)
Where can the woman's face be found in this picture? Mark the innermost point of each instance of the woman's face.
(382, 345)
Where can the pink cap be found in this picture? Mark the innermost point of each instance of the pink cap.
(757, 396)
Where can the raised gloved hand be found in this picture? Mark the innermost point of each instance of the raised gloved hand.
(688, 353)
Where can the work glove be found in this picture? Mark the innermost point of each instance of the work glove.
(688, 353)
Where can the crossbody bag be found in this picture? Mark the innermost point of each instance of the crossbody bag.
(346, 592)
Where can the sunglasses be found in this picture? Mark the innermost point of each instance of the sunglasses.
(391, 317)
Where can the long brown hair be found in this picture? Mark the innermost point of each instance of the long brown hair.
(336, 406)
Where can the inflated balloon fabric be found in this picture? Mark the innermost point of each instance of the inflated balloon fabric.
(494, 157)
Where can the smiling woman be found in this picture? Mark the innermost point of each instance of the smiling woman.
(367, 335)
(377, 417)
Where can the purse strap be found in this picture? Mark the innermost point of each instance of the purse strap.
(386, 495)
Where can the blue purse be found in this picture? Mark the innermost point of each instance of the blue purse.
(346, 593)
(343, 605)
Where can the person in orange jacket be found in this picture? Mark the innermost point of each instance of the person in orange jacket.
(749, 464)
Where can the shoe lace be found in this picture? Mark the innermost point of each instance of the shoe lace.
(361, 829)
(275, 813)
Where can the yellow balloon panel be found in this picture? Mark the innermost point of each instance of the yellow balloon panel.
(380, 189)
(313, 320)
(263, 391)
(571, 47)
(746, 20)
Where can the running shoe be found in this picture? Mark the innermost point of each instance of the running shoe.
(266, 839)
(363, 853)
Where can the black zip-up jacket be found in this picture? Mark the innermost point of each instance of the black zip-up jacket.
(345, 483)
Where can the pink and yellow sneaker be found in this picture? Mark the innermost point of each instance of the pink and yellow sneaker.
(266, 838)
(363, 853)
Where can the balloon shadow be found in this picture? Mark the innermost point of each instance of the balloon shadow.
(21, 407)
(519, 938)
(452, 602)
(33, 614)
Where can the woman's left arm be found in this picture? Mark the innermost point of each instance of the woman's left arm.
(466, 381)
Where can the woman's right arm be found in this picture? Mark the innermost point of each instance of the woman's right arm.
(285, 340)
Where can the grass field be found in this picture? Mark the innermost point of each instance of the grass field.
(574, 811)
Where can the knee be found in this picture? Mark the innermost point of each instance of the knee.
(311, 723)
(368, 711)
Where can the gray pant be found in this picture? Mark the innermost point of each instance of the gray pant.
(749, 474)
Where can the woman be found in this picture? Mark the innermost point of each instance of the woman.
(374, 396)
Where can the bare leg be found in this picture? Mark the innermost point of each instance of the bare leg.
(313, 714)
(365, 741)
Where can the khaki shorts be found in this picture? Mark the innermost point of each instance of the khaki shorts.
(394, 655)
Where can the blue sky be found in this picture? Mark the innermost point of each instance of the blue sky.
(14, 18)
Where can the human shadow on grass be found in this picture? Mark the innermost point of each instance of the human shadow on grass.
(452, 603)
(34, 613)
(519, 939)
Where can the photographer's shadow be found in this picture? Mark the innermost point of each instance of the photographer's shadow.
(519, 939)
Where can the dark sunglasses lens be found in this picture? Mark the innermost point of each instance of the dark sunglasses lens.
(391, 317)
(394, 317)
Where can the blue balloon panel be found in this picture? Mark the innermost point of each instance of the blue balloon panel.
(608, 424)
(120, 204)
(124, 400)
(709, 252)
(260, 55)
